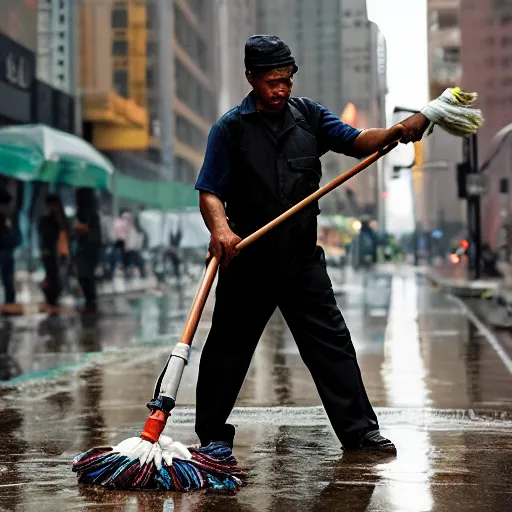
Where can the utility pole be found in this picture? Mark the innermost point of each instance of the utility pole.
(470, 148)
(165, 59)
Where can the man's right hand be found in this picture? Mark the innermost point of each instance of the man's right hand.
(223, 244)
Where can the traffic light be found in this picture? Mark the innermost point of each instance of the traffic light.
(462, 172)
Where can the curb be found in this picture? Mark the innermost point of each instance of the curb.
(459, 288)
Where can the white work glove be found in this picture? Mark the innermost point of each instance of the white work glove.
(165, 449)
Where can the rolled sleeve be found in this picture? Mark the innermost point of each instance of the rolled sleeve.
(333, 134)
(216, 169)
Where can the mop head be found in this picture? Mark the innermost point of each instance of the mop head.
(136, 464)
(454, 113)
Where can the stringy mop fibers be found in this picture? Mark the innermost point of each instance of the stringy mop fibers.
(190, 469)
(453, 112)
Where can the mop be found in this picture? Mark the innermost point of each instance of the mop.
(154, 461)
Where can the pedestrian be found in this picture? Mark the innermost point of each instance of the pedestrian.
(262, 157)
(120, 233)
(87, 233)
(10, 238)
(54, 244)
(175, 250)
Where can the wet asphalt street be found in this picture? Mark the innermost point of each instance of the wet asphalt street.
(440, 380)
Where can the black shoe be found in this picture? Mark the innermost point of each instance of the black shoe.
(373, 441)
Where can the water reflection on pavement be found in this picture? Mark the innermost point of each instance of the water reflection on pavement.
(441, 391)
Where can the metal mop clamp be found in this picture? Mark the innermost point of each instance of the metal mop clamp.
(166, 388)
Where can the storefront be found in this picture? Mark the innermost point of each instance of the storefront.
(17, 77)
(53, 107)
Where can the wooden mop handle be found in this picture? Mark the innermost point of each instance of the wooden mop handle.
(213, 265)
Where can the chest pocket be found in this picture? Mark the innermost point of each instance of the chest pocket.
(300, 179)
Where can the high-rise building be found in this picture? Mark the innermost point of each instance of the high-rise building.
(112, 74)
(486, 51)
(437, 206)
(148, 83)
(364, 90)
(312, 30)
(193, 87)
(335, 70)
(237, 22)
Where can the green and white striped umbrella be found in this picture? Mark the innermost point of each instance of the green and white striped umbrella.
(36, 152)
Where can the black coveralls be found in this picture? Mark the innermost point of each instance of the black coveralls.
(285, 269)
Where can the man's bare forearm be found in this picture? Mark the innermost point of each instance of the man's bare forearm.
(372, 140)
(213, 212)
(223, 241)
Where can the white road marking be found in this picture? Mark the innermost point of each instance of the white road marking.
(489, 336)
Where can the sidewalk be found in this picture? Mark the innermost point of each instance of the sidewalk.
(30, 299)
(453, 279)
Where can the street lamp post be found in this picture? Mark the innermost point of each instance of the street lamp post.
(414, 210)
(470, 149)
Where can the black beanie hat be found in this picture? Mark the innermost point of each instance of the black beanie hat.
(264, 53)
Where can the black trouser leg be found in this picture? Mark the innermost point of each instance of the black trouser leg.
(309, 307)
(239, 318)
(86, 263)
(7, 268)
(88, 285)
(52, 288)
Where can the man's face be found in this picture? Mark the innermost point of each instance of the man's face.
(272, 89)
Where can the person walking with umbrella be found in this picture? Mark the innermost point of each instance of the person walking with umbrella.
(54, 241)
(87, 232)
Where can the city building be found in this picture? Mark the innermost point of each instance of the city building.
(438, 209)
(112, 74)
(55, 95)
(18, 43)
(364, 90)
(486, 54)
(150, 100)
(191, 90)
(336, 49)
(237, 22)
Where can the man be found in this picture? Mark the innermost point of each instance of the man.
(263, 157)
(10, 238)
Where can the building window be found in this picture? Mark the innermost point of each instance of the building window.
(200, 8)
(184, 171)
(121, 82)
(452, 54)
(192, 92)
(447, 19)
(506, 62)
(189, 134)
(119, 18)
(506, 19)
(490, 62)
(189, 40)
(501, 4)
(119, 48)
(489, 41)
(150, 78)
(506, 41)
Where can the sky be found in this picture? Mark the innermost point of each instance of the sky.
(404, 25)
